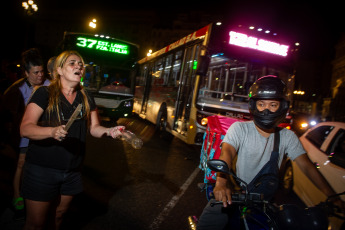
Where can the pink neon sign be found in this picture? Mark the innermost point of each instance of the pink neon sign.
(244, 40)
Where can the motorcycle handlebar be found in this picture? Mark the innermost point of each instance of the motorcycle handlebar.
(245, 199)
(250, 199)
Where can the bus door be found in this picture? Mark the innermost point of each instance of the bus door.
(185, 90)
(147, 75)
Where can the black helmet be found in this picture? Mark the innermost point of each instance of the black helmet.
(268, 88)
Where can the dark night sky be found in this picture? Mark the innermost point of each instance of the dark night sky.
(316, 25)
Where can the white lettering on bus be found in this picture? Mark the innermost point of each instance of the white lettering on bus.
(246, 41)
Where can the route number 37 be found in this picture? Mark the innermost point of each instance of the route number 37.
(83, 42)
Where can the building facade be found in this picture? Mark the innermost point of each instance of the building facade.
(334, 107)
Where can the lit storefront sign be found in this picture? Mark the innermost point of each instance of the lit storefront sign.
(246, 41)
(107, 46)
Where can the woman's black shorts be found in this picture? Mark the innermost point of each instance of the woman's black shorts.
(45, 184)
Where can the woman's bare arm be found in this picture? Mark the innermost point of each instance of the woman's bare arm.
(31, 130)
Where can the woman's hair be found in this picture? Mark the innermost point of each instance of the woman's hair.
(55, 87)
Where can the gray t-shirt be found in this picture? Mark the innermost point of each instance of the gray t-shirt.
(254, 150)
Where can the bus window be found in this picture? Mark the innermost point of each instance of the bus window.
(157, 72)
(217, 81)
(167, 69)
(176, 69)
(238, 76)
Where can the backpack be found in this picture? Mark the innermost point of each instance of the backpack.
(217, 127)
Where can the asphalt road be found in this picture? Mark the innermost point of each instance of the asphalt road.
(154, 187)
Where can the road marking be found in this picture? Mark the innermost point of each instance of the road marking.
(141, 133)
(160, 218)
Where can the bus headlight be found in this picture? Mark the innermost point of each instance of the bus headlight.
(204, 121)
(201, 119)
(304, 125)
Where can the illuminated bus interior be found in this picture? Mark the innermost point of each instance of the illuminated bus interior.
(225, 88)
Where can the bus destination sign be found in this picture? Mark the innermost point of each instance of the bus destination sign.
(246, 41)
(107, 46)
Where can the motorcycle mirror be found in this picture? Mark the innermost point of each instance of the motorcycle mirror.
(222, 166)
(218, 166)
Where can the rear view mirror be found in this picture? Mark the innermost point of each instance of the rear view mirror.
(218, 166)
(204, 62)
(222, 166)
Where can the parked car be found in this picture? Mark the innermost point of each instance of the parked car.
(325, 146)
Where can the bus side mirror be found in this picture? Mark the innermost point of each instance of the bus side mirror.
(203, 65)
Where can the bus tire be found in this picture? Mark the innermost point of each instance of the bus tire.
(161, 125)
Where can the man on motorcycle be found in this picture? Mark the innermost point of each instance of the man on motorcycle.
(259, 147)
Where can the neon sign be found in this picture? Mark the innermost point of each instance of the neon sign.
(102, 45)
(246, 41)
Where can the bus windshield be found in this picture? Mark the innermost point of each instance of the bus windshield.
(226, 85)
(110, 69)
(107, 59)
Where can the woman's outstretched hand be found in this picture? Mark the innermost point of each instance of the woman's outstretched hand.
(116, 131)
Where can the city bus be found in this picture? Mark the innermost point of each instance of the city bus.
(110, 69)
(205, 73)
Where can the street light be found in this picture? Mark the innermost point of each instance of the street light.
(299, 92)
(30, 7)
(92, 24)
(149, 53)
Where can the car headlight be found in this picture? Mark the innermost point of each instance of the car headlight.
(312, 123)
(128, 103)
(304, 125)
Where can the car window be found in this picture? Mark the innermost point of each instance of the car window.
(338, 143)
(319, 135)
(337, 149)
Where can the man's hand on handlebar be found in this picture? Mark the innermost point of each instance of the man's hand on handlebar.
(222, 193)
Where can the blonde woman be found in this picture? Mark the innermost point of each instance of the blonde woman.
(51, 175)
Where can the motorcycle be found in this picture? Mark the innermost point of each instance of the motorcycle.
(258, 213)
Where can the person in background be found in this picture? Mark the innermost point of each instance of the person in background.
(15, 99)
(50, 66)
(52, 170)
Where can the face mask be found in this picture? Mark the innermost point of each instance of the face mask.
(267, 119)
